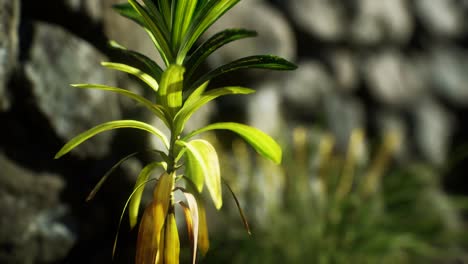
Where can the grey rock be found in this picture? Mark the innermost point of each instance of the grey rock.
(9, 21)
(445, 18)
(434, 128)
(345, 70)
(264, 109)
(343, 114)
(322, 18)
(57, 59)
(93, 9)
(393, 79)
(275, 35)
(304, 88)
(378, 21)
(449, 66)
(30, 224)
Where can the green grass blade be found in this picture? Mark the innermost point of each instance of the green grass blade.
(150, 81)
(138, 59)
(110, 126)
(157, 110)
(257, 61)
(127, 11)
(211, 45)
(138, 192)
(192, 106)
(209, 12)
(260, 141)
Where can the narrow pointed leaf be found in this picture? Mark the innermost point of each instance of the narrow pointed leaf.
(192, 106)
(184, 10)
(149, 234)
(196, 94)
(260, 141)
(257, 61)
(136, 199)
(150, 81)
(212, 44)
(150, 66)
(170, 94)
(192, 217)
(142, 185)
(203, 235)
(157, 110)
(158, 32)
(126, 10)
(108, 173)
(203, 165)
(110, 126)
(208, 14)
(241, 212)
(172, 243)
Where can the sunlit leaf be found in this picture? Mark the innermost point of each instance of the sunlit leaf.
(191, 217)
(170, 93)
(211, 45)
(192, 106)
(172, 243)
(150, 81)
(126, 10)
(259, 140)
(184, 10)
(203, 165)
(209, 13)
(109, 126)
(257, 61)
(203, 236)
(156, 29)
(150, 66)
(136, 199)
(196, 94)
(156, 109)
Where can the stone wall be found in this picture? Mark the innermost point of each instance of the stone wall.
(396, 65)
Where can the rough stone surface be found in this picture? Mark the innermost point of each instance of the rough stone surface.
(264, 109)
(393, 80)
(58, 59)
(93, 9)
(31, 223)
(322, 18)
(442, 17)
(9, 21)
(377, 21)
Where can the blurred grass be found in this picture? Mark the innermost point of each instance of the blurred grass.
(325, 207)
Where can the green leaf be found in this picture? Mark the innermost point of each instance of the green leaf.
(170, 94)
(203, 166)
(172, 243)
(155, 26)
(184, 10)
(150, 81)
(211, 45)
(127, 11)
(157, 110)
(109, 126)
(123, 212)
(136, 199)
(257, 61)
(196, 94)
(165, 7)
(138, 59)
(260, 141)
(191, 106)
(206, 16)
